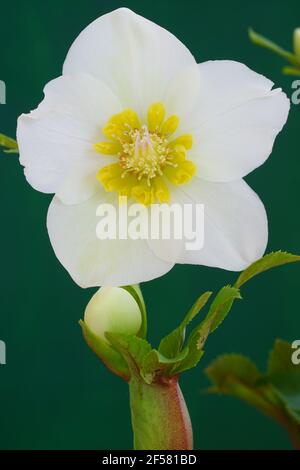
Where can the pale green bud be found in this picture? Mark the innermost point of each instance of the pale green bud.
(114, 310)
(297, 41)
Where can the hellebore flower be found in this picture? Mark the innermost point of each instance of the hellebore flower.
(133, 114)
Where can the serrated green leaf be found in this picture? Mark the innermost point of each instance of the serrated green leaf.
(111, 358)
(221, 306)
(191, 360)
(232, 367)
(217, 312)
(141, 359)
(172, 343)
(136, 293)
(10, 144)
(262, 41)
(156, 363)
(132, 348)
(219, 309)
(271, 260)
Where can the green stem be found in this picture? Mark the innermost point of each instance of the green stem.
(291, 427)
(262, 41)
(160, 418)
(267, 403)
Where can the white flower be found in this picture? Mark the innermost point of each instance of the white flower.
(113, 310)
(134, 114)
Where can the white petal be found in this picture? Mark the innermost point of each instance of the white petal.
(134, 56)
(234, 144)
(235, 224)
(233, 115)
(81, 181)
(167, 249)
(56, 139)
(94, 262)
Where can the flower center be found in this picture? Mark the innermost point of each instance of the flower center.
(147, 160)
(146, 155)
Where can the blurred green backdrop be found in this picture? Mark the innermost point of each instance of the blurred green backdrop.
(54, 394)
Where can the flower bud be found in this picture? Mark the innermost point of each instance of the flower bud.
(297, 41)
(114, 310)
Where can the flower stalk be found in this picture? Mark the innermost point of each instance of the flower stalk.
(160, 418)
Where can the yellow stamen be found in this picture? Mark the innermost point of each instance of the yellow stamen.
(147, 161)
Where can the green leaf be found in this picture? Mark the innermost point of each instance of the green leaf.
(136, 293)
(221, 306)
(191, 360)
(268, 261)
(280, 358)
(276, 393)
(10, 144)
(219, 309)
(156, 363)
(270, 45)
(172, 343)
(111, 358)
(232, 367)
(237, 376)
(132, 348)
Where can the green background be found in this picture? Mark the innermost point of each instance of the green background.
(54, 393)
